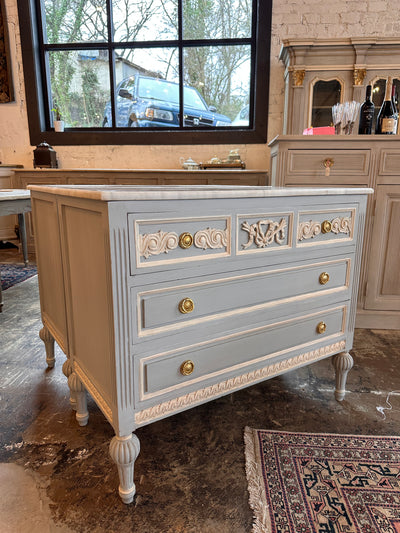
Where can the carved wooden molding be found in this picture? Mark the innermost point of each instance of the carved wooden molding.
(359, 75)
(229, 385)
(341, 225)
(98, 397)
(310, 229)
(211, 238)
(265, 232)
(298, 77)
(157, 243)
(163, 242)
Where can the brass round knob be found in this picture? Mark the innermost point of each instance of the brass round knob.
(186, 368)
(321, 327)
(186, 305)
(326, 226)
(185, 240)
(324, 278)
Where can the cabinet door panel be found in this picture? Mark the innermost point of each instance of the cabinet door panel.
(383, 284)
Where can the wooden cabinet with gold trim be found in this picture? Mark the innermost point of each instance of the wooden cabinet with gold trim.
(356, 160)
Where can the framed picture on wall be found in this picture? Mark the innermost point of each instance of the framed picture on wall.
(6, 87)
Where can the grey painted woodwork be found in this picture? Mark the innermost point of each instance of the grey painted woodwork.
(163, 298)
(18, 202)
(353, 62)
(356, 160)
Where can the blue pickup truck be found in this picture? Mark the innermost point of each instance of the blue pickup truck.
(144, 102)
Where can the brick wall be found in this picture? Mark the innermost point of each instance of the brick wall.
(291, 19)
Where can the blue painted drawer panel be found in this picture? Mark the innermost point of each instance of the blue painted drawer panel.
(159, 309)
(160, 373)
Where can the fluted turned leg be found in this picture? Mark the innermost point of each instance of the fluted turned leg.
(79, 393)
(342, 362)
(124, 451)
(67, 369)
(48, 340)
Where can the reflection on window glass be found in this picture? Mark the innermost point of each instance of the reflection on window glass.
(145, 20)
(147, 94)
(226, 19)
(221, 74)
(158, 64)
(75, 21)
(325, 95)
(80, 86)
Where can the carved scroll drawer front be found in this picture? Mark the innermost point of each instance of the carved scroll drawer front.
(164, 372)
(325, 227)
(178, 240)
(264, 232)
(189, 304)
(352, 166)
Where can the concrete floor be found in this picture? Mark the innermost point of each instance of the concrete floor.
(58, 477)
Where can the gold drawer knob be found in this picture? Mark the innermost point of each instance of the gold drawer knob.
(321, 327)
(186, 305)
(185, 240)
(186, 368)
(326, 226)
(324, 278)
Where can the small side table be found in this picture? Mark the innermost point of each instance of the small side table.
(16, 202)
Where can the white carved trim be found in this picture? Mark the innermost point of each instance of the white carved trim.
(157, 243)
(341, 225)
(97, 397)
(310, 229)
(211, 238)
(163, 242)
(58, 336)
(274, 231)
(231, 384)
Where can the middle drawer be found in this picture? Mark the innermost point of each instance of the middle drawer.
(170, 308)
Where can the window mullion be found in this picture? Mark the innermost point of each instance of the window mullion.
(180, 64)
(111, 59)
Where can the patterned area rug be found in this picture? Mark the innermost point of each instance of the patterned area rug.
(11, 274)
(322, 483)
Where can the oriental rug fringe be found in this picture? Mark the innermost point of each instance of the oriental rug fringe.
(323, 483)
(11, 274)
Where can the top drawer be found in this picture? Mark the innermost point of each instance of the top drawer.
(348, 167)
(179, 240)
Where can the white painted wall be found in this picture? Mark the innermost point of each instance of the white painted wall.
(291, 19)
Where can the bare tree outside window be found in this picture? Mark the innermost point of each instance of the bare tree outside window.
(135, 65)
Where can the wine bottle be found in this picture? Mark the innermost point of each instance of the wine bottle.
(366, 114)
(386, 122)
(394, 101)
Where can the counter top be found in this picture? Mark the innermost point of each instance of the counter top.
(14, 194)
(163, 192)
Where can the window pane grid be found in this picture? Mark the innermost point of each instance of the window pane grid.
(201, 43)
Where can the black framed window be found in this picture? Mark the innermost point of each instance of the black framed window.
(146, 71)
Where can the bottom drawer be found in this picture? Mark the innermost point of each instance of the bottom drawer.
(162, 373)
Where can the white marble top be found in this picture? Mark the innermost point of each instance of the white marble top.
(14, 194)
(165, 192)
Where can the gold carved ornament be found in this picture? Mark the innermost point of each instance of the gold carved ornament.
(298, 77)
(359, 75)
